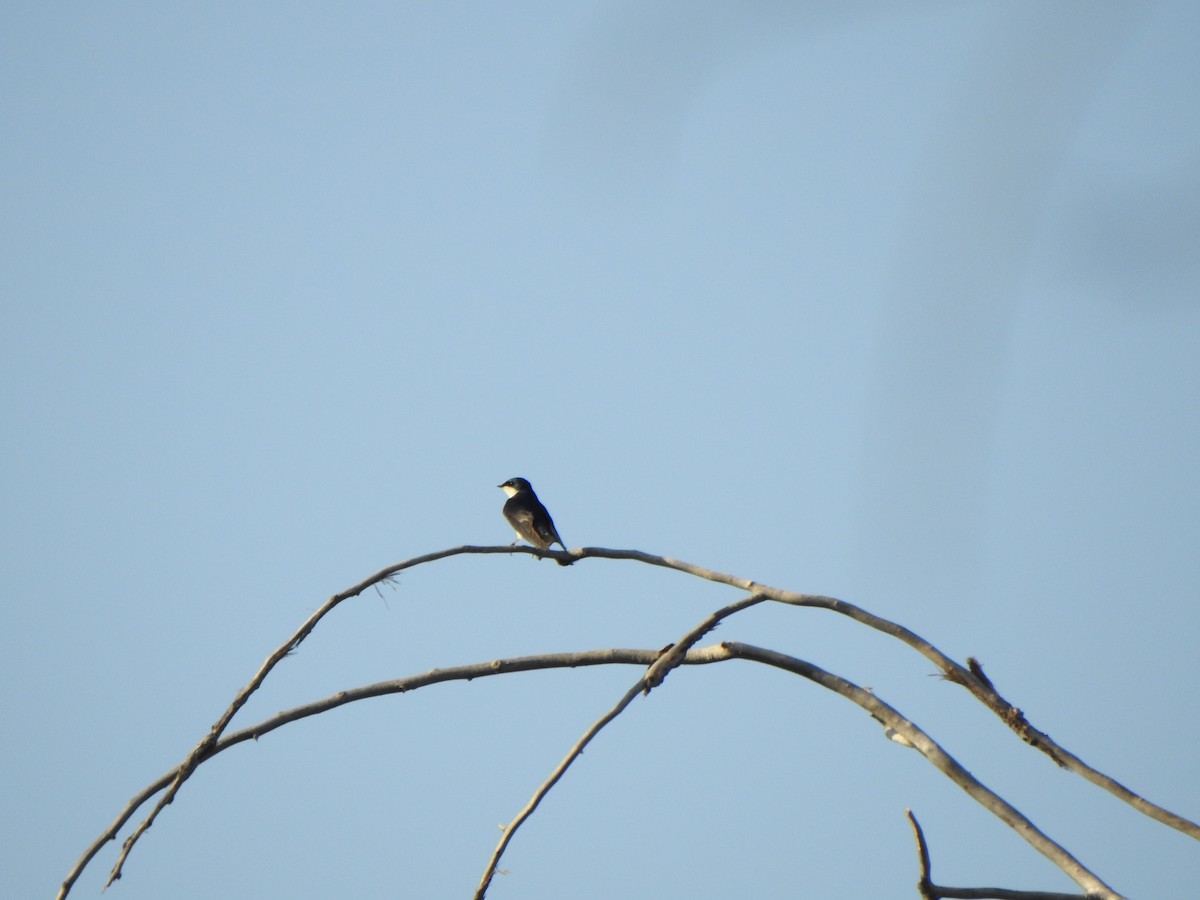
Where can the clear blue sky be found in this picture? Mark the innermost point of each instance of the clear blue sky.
(899, 308)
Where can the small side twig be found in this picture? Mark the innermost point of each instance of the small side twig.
(925, 885)
(930, 891)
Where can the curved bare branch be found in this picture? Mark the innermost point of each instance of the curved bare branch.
(201, 750)
(366, 692)
(971, 678)
(648, 658)
(932, 751)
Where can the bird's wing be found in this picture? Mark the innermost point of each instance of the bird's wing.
(547, 532)
(523, 520)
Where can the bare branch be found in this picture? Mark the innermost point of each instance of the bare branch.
(930, 891)
(202, 749)
(995, 893)
(544, 789)
(666, 660)
(925, 885)
(1003, 894)
(972, 678)
(717, 653)
(932, 751)
(379, 689)
(674, 654)
(979, 685)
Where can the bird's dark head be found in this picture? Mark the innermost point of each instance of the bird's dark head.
(515, 486)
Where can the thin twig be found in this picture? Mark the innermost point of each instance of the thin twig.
(930, 891)
(653, 677)
(995, 893)
(544, 789)
(925, 885)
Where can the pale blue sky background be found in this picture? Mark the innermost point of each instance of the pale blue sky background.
(900, 307)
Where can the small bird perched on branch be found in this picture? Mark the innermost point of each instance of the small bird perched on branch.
(527, 516)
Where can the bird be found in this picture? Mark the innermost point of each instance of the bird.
(527, 516)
